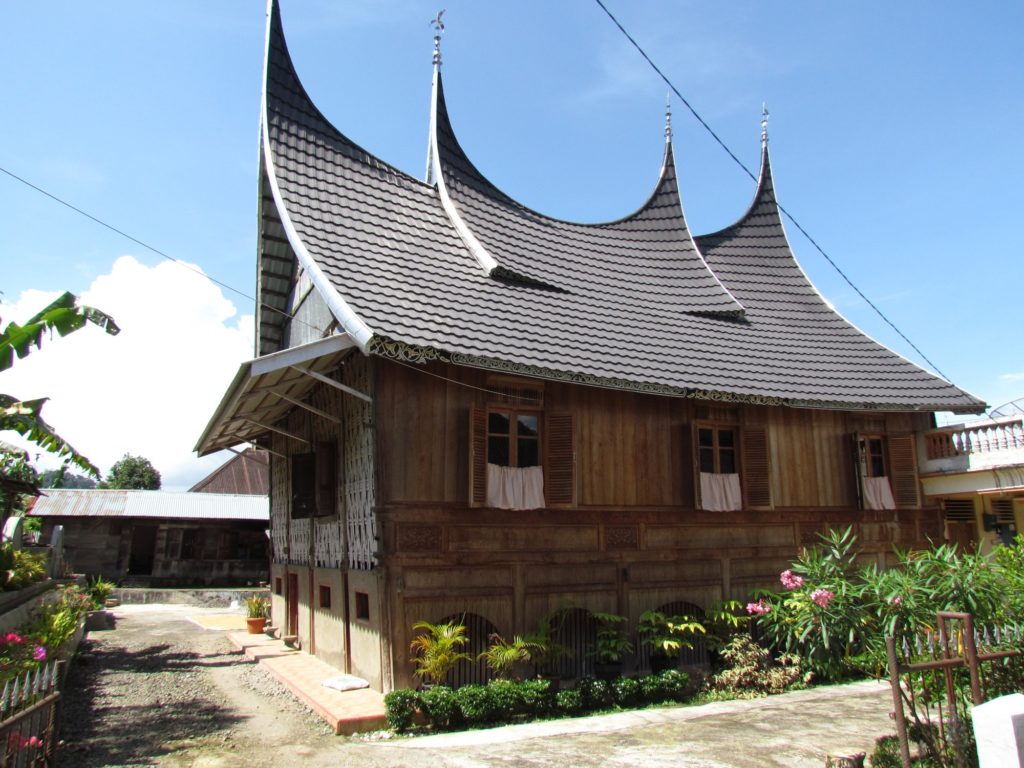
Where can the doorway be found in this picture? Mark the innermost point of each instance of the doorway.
(140, 561)
(292, 603)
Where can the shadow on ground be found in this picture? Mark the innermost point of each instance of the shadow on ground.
(125, 707)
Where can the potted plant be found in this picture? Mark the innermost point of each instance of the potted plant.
(666, 636)
(502, 656)
(611, 645)
(436, 649)
(257, 609)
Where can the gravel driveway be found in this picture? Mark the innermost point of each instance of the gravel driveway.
(158, 690)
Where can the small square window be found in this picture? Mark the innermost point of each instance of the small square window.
(325, 596)
(362, 606)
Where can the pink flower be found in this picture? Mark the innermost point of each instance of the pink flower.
(39, 654)
(790, 580)
(34, 741)
(896, 600)
(760, 608)
(822, 597)
(13, 638)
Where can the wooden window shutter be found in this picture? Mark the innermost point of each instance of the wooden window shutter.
(560, 478)
(688, 473)
(326, 477)
(903, 470)
(477, 457)
(755, 469)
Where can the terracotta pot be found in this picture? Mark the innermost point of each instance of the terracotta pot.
(255, 626)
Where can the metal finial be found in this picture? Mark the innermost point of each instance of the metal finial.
(668, 117)
(764, 123)
(438, 31)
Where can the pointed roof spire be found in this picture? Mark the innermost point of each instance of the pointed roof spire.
(668, 118)
(438, 31)
(764, 123)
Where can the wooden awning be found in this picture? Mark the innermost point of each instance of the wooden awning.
(265, 389)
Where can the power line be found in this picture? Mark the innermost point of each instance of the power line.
(157, 251)
(788, 215)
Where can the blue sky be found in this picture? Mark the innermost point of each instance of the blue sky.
(894, 135)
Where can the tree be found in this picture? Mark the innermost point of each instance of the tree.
(65, 315)
(134, 472)
(58, 478)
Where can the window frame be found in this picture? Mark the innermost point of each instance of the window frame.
(512, 435)
(716, 429)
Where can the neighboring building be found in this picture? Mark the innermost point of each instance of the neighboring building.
(247, 472)
(159, 538)
(975, 471)
(475, 411)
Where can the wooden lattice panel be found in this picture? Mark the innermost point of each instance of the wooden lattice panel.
(279, 504)
(327, 544)
(298, 542)
(359, 491)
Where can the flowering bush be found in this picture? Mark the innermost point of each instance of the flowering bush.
(835, 614)
(49, 629)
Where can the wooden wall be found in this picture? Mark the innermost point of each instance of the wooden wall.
(634, 539)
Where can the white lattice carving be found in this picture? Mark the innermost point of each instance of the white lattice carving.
(279, 508)
(359, 489)
(327, 544)
(298, 544)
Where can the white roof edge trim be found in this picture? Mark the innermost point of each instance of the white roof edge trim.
(343, 313)
(670, 156)
(487, 262)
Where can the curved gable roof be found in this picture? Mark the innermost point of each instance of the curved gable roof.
(628, 304)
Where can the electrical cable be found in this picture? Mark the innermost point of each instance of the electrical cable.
(155, 250)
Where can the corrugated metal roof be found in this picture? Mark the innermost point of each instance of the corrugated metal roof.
(152, 504)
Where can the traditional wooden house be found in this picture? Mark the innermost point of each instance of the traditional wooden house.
(474, 410)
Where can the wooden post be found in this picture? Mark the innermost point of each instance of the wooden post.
(897, 701)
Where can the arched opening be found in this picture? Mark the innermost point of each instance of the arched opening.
(574, 639)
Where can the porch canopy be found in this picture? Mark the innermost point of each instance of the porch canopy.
(265, 389)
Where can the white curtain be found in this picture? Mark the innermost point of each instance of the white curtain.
(878, 493)
(515, 487)
(720, 492)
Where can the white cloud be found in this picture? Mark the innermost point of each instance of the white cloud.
(151, 389)
(1018, 376)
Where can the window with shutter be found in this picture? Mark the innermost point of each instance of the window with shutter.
(560, 485)
(903, 468)
(756, 470)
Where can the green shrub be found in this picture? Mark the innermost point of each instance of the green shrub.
(476, 704)
(626, 691)
(596, 694)
(440, 706)
(570, 702)
(400, 709)
(26, 568)
(887, 753)
(537, 697)
(672, 685)
(99, 591)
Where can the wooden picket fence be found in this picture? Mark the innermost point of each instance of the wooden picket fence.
(28, 718)
(960, 646)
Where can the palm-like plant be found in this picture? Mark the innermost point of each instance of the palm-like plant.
(503, 655)
(436, 649)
